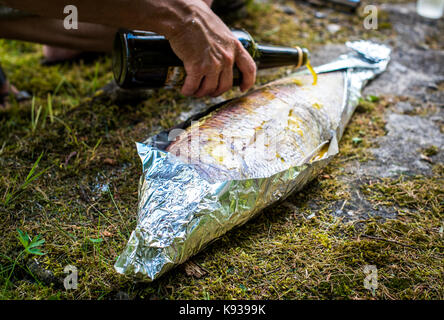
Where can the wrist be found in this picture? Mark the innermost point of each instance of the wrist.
(174, 17)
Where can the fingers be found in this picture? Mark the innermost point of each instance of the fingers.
(225, 81)
(192, 82)
(246, 65)
(201, 81)
(217, 78)
(209, 85)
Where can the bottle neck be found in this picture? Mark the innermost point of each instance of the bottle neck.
(274, 56)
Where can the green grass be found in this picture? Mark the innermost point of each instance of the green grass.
(14, 190)
(70, 172)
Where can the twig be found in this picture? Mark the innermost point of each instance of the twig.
(272, 271)
(388, 240)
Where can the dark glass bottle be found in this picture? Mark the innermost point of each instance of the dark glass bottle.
(145, 60)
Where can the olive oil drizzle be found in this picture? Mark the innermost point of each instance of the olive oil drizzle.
(315, 76)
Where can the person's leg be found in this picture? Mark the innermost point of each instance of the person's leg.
(88, 36)
(56, 54)
(63, 44)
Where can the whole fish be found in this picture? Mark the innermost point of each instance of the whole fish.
(222, 167)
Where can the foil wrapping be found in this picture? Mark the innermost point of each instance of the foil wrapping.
(181, 211)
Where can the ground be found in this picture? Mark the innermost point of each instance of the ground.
(69, 173)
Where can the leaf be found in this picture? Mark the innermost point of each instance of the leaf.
(96, 240)
(31, 246)
(35, 251)
(36, 242)
(36, 163)
(23, 237)
(356, 140)
(372, 98)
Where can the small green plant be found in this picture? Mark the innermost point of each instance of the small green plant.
(31, 246)
(356, 140)
(96, 74)
(96, 241)
(35, 115)
(372, 98)
(49, 108)
(40, 114)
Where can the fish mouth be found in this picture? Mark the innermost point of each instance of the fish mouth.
(318, 153)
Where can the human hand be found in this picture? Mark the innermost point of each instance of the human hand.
(209, 51)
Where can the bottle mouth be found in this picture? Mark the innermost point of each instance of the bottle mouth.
(305, 56)
(118, 59)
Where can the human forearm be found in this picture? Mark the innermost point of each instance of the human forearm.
(165, 16)
(199, 37)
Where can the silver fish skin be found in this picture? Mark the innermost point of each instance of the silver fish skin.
(193, 191)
